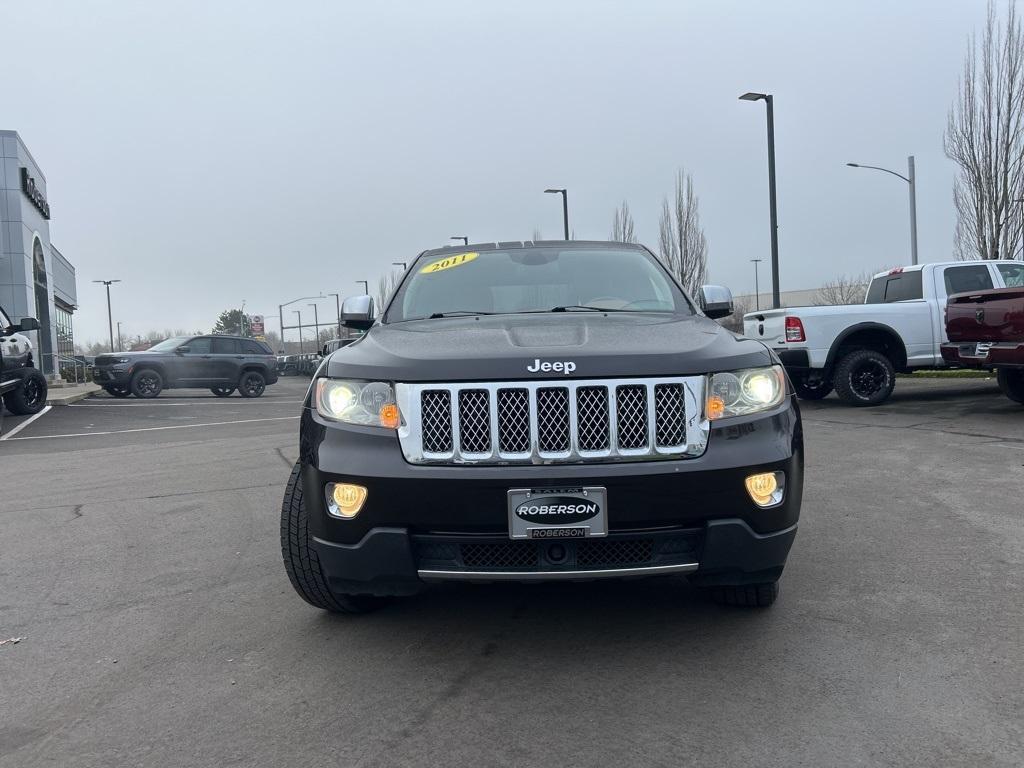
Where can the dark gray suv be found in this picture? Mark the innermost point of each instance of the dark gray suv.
(221, 364)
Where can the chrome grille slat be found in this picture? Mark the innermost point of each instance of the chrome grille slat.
(544, 422)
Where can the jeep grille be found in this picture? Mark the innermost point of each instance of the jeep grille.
(548, 422)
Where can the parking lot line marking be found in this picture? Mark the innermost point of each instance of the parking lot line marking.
(144, 429)
(24, 424)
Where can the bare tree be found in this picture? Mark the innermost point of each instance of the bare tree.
(985, 137)
(845, 289)
(683, 247)
(386, 285)
(622, 225)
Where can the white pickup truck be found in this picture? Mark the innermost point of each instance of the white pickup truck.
(857, 349)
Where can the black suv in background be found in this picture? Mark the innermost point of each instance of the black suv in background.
(220, 363)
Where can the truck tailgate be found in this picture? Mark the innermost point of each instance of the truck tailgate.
(768, 325)
(995, 315)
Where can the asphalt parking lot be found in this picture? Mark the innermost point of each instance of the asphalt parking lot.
(140, 564)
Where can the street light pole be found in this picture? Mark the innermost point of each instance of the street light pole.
(337, 311)
(463, 238)
(773, 208)
(565, 207)
(757, 289)
(302, 349)
(911, 179)
(316, 324)
(280, 313)
(110, 317)
(120, 346)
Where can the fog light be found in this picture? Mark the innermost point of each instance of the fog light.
(766, 488)
(344, 500)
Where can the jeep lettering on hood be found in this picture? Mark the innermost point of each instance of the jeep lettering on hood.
(557, 510)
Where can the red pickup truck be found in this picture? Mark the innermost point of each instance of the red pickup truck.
(986, 330)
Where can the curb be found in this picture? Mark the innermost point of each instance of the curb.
(53, 398)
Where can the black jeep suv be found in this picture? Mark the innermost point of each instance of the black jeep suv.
(543, 411)
(220, 363)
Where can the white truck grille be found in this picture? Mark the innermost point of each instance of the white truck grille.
(544, 422)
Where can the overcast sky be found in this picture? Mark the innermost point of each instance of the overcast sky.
(210, 152)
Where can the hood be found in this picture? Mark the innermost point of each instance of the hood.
(109, 358)
(548, 346)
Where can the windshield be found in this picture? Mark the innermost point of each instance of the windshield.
(168, 344)
(537, 279)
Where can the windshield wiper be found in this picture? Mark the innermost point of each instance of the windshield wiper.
(587, 307)
(457, 312)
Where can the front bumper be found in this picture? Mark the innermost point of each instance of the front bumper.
(1001, 353)
(391, 561)
(432, 522)
(119, 375)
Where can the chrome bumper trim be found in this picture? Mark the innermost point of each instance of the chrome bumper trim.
(606, 573)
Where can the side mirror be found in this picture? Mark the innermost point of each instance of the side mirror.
(181, 350)
(716, 301)
(357, 312)
(26, 324)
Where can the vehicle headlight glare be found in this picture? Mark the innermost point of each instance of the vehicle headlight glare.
(737, 393)
(370, 403)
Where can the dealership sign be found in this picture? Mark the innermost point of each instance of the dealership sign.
(33, 193)
(256, 325)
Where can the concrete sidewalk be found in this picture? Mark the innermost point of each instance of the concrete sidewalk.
(67, 395)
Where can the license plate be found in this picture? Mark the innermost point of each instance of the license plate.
(557, 513)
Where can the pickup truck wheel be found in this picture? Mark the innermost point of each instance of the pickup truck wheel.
(747, 595)
(252, 384)
(28, 398)
(147, 383)
(115, 391)
(1011, 382)
(812, 387)
(222, 391)
(864, 377)
(301, 561)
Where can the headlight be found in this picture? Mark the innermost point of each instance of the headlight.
(741, 392)
(371, 403)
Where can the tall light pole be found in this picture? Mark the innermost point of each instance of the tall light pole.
(565, 207)
(302, 349)
(280, 313)
(110, 317)
(316, 324)
(757, 289)
(463, 238)
(911, 179)
(120, 346)
(337, 311)
(770, 104)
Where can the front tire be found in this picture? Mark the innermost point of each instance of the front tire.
(811, 387)
(747, 595)
(301, 561)
(222, 391)
(252, 384)
(147, 384)
(864, 377)
(1011, 383)
(29, 397)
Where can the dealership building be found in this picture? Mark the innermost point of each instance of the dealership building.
(35, 279)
